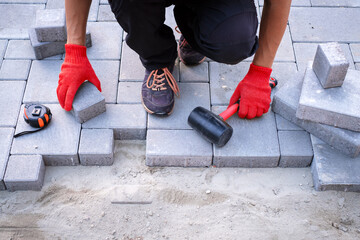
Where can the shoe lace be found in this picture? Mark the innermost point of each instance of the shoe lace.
(183, 42)
(158, 83)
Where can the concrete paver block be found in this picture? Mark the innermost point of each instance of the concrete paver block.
(355, 50)
(337, 107)
(286, 102)
(3, 46)
(6, 138)
(254, 143)
(330, 65)
(129, 92)
(297, 3)
(88, 103)
(11, 94)
(14, 69)
(58, 143)
(132, 194)
(25, 172)
(96, 147)
(333, 170)
(335, 3)
(198, 73)
(285, 125)
(50, 25)
(105, 14)
(127, 120)
(177, 148)
(295, 149)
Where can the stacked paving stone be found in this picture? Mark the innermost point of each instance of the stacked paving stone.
(324, 100)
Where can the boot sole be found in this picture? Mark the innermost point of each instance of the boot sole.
(152, 112)
(187, 64)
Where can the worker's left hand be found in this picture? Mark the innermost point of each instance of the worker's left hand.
(254, 93)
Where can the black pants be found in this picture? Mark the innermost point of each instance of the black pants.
(223, 30)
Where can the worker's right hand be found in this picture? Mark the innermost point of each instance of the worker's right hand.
(75, 70)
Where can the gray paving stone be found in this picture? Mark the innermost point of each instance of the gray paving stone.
(330, 65)
(285, 52)
(335, 3)
(127, 120)
(93, 12)
(191, 96)
(355, 50)
(19, 49)
(3, 45)
(295, 149)
(50, 25)
(24, 172)
(106, 40)
(104, 2)
(6, 138)
(224, 78)
(170, 21)
(177, 148)
(254, 143)
(285, 103)
(129, 92)
(357, 66)
(15, 19)
(105, 14)
(11, 94)
(58, 143)
(333, 170)
(96, 147)
(297, 3)
(307, 24)
(54, 4)
(337, 107)
(198, 73)
(305, 52)
(88, 103)
(285, 125)
(14, 69)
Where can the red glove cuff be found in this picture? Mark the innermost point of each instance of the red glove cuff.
(262, 73)
(75, 54)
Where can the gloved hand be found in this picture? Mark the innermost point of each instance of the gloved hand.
(254, 92)
(74, 71)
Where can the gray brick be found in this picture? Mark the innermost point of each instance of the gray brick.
(15, 69)
(25, 172)
(58, 143)
(224, 78)
(295, 149)
(19, 49)
(357, 66)
(333, 170)
(105, 14)
(170, 21)
(198, 73)
(15, 19)
(3, 45)
(104, 2)
(177, 148)
(355, 50)
(324, 24)
(55, 4)
(330, 65)
(88, 103)
(285, 103)
(285, 52)
(297, 3)
(127, 120)
(285, 125)
(129, 92)
(191, 96)
(50, 25)
(93, 12)
(106, 40)
(254, 143)
(6, 138)
(11, 94)
(337, 107)
(96, 147)
(22, 1)
(335, 3)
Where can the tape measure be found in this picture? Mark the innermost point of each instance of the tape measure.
(37, 116)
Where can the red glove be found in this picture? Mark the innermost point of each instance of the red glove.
(254, 93)
(74, 71)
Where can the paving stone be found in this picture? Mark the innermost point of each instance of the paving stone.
(177, 148)
(297, 3)
(330, 65)
(88, 103)
(285, 103)
(58, 143)
(106, 40)
(285, 125)
(54, 4)
(170, 21)
(3, 45)
(132, 194)
(198, 73)
(295, 149)
(104, 2)
(254, 143)
(285, 52)
(105, 14)
(50, 25)
(192, 95)
(93, 12)
(14, 69)
(305, 52)
(224, 78)
(6, 138)
(355, 50)
(127, 120)
(357, 66)
(335, 3)
(15, 19)
(24, 172)
(11, 94)
(337, 107)
(96, 147)
(333, 170)
(19, 49)
(129, 92)
(324, 24)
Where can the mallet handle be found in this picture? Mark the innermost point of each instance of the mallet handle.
(230, 111)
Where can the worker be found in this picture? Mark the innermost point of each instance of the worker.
(222, 30)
